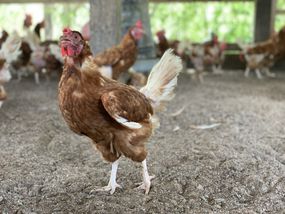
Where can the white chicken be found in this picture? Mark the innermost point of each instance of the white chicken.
(8, 53)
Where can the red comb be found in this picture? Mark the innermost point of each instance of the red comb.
(66, 30)
(139, 23)
(160, 33)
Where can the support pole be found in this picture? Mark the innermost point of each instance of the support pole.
(105, 24)
(131, 12)
(263, 20)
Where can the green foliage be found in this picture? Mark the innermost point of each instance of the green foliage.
(280, 4)
(184, 21)
(68, 15)
(195, 21)
(280, 18)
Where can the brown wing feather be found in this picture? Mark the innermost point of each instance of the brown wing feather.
(109, 57)
(127, 103)
(120, 57)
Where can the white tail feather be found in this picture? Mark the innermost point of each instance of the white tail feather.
(129, 124)
(163, 79)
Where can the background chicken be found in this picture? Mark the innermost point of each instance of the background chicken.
(198, 59)
(36, 57)
(259, 62)
(164, 44)
(214, 51)
(9, 52)
(118, 118)
(120, 58)
(262, 56)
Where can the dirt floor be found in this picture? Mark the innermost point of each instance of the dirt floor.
(237, 167)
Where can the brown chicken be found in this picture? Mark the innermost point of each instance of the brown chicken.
(3, 38)
(214, 53)
(164, 44)
(262, 55)
(120, 58)
(118, 118)
(275, 45)
(3, 94)
(9, 52)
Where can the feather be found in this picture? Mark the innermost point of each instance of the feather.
(162, 80)
(106, 71)
(129, 124)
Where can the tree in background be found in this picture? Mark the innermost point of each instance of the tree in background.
(195, 21)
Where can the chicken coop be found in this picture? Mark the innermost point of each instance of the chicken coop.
(142, 106)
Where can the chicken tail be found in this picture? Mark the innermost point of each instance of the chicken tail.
(162, 80)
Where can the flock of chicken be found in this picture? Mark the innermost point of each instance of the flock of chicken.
(259, 57)
(22, 56)
(44, 58)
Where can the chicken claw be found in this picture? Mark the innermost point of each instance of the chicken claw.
(146, 179)
(110, 187)
(146, 184)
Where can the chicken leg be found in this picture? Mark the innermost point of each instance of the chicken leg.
(258, 74)
(112, 185)
(246, 73)
(145, 185)
(268, 73)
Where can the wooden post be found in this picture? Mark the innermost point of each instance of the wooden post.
(263, 19)
(105, 24)
(134, 10)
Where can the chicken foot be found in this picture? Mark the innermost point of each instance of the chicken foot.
(112, 185)
(258, 74)
(145, 185)
(268, 73)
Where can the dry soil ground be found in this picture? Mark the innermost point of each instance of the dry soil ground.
(237, 167)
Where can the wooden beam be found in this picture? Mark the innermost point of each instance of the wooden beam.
(263, 20)
(40, 1)
(189, 1)
(85, 1)
(282, 12)
(132, 11)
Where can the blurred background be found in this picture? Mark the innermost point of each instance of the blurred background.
(183, 20)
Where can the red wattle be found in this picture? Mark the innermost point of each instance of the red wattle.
(70, 51)
(63, 52)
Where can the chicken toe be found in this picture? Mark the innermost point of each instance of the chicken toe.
(110, 187)
(146, 184)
